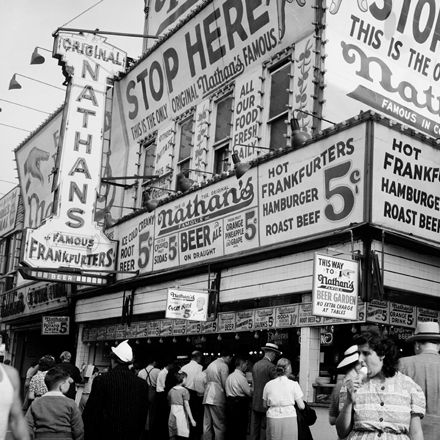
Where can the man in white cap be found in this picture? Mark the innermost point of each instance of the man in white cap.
(424, 369)
(262, 372)
(118, 402)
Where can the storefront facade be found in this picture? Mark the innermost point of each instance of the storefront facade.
(223, 86)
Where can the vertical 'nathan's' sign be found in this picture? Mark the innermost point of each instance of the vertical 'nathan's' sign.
(70, 237)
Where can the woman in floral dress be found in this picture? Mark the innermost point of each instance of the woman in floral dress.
(387, 405)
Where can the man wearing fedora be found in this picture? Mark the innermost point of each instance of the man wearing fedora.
(262, 372)
(424, 369)
(118, 402)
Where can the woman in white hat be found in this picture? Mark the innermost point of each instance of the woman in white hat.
(350, 365)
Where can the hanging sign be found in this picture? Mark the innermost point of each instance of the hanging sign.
(71, 237)
(190, 305)
(55, 325)
(335, 287)
(378, 311)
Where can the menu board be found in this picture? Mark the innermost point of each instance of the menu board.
(153, 328)
(226, 322)
(264, 319)
(179, 327)
(142, 330)
(398, 316)
(244, 320)
(377, 311)
(111, 332)
(85, 334)
(166, 327)
(286, 316)
(120, 331)
(425, 315)
(402, 315)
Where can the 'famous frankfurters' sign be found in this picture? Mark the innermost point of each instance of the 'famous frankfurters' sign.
(70, 237)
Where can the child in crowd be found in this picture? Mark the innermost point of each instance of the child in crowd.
(178, 399)
(54, 415)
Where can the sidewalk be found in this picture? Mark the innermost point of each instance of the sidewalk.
(322, 430)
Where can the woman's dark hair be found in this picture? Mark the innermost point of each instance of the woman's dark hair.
(383, 347)
(282, 366)
(46, 363)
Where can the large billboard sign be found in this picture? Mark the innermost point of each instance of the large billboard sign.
(226, 39)
(406, 184)
(35, 163)
(383, 55)
(8, 211)
(304, 193)
(70, 237)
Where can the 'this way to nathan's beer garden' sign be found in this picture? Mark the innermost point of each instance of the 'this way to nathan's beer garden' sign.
(335, 287)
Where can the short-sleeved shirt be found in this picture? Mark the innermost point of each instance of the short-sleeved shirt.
(387, 408)
(177, 395)
(280, 395)
(37, 385)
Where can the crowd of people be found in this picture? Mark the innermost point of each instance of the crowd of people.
(381, 396)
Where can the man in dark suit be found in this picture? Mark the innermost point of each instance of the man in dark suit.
(118, 402)
(262, 372)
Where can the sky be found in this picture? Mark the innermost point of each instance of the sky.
(25, 24)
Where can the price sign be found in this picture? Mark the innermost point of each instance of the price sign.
(264, 318)
(111, 332)
(192, 327)
(120, 331)
(130, 331)
(377, 311)
(142, 330)
(402, 315)
(244, 320)
(426, 315)
(226, 322)
(85, 334)
(209, 326)
(166, 327)
(55, 325)
(286, 316)
(102, 331)
(305, 316)
(153, 328)
(179, 327)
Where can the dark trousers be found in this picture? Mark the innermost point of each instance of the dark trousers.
(196, 405)
(237, 418)
(258, 425)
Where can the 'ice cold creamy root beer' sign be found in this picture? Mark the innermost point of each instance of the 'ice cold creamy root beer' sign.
(335, 287)
(71, 238)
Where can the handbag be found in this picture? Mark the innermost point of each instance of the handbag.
(305, 418)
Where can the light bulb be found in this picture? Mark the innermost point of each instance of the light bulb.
(174, 340)
(88, 344)
(237, 337)
(188, 339)
(106, 343)
(148, 341)
(219, 337)
(256, 335)
(353, 329)
(161, 341)
(137, 341)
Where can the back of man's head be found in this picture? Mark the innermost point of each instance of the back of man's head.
(54, 377)
(196, 356)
